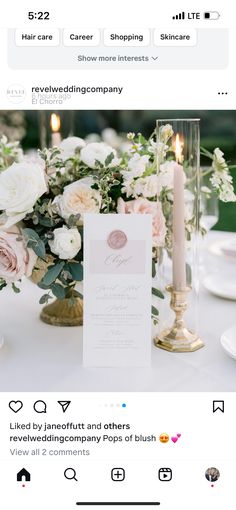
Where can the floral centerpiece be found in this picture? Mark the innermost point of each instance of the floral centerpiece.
(43, 201)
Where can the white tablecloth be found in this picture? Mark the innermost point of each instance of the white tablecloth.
(38, 357)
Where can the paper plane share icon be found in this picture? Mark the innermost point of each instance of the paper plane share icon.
(64, 404)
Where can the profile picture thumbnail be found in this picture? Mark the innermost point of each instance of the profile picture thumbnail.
(212, 474)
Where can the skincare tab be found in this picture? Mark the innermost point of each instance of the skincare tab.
(174, 37)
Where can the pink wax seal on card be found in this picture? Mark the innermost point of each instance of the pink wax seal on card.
(117, 239)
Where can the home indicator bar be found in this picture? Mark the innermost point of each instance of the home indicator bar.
(121, 503)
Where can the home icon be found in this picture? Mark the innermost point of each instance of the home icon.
(23, 476)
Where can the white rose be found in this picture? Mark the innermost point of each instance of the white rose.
(110, 136)
(69, 146)
(32, 158)
(125, 146)
(97, 152)
(92, 138)
(66, 242)
(20, 187)
(78, 198)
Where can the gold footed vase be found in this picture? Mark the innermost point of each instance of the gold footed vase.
(64, 312)
(178, 338)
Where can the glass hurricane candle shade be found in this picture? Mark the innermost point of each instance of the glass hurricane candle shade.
(209, 203)
(178, 170)
(1, 340)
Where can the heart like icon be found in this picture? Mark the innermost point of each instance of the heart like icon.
(178, 435)
(174, 439)
(15, 405)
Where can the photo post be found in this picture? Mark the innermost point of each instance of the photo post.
(117, 255)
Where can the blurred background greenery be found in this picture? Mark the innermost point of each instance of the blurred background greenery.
(218, 129)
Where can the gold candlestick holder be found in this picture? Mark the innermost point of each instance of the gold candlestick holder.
(178, 338)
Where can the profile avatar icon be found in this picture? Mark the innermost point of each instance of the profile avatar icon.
(212, 474)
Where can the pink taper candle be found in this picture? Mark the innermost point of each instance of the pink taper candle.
(179, 255)
(55, 123)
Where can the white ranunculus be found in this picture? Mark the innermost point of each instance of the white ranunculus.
(70, 146)
(165, 177)
(136, 168)
(161, 151)
(20, 187)
(97, 152)
(165, 133)
(137, 164)
(66, 242)
(127, 188)
(146, 186)
(78, 198)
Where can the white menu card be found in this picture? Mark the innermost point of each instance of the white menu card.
(117, 290)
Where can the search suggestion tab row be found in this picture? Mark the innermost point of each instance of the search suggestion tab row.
(108, 37)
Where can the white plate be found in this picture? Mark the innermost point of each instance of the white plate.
(228, 341)
(221, 285)
(225, 248)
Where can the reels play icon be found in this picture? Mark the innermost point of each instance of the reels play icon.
(165, 474)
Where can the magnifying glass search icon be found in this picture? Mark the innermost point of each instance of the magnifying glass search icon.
(70, 474)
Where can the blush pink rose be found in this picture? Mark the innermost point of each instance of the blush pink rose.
(145, 206)
(15, 259)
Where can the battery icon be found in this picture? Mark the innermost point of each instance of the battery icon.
(211, 15)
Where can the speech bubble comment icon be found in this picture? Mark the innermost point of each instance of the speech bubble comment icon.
(40, 406)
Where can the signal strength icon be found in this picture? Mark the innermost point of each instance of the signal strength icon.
(181, 15)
